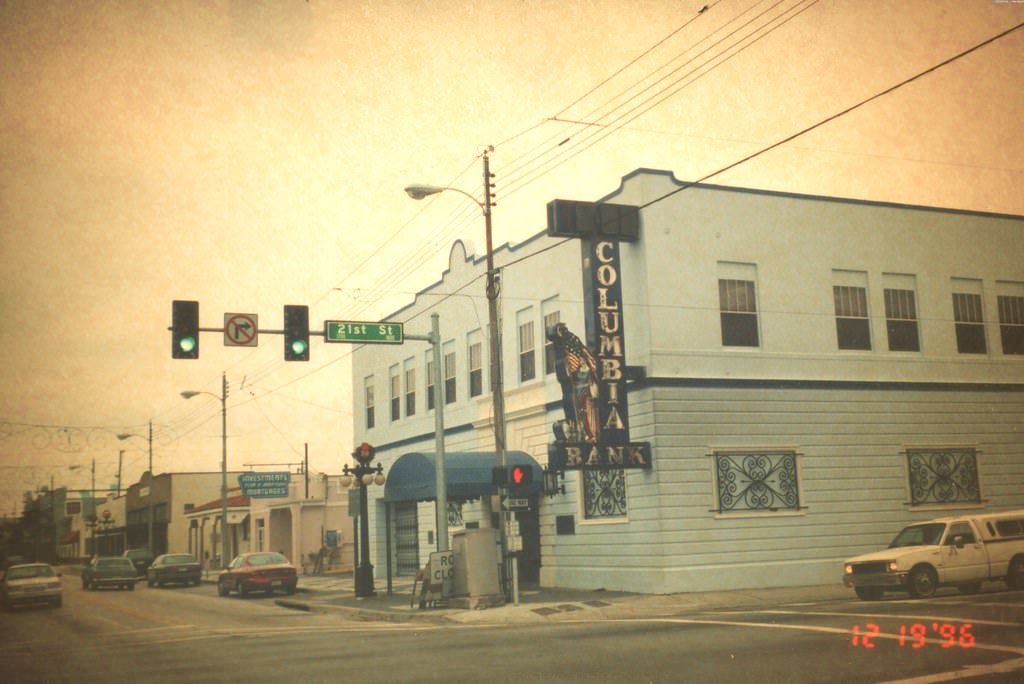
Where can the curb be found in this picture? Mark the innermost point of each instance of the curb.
(366, 614)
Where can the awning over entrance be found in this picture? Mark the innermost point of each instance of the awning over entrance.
(467, 475)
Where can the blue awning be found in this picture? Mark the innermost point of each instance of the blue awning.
(467, 475)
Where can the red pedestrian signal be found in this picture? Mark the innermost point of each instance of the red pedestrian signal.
(520, 475)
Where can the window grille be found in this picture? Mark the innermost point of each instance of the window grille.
(943, 476)
(764, 481)
(604, 494)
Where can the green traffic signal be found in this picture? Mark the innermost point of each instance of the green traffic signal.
(296, 333)
(184, 329)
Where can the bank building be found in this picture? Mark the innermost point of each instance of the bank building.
(715, 387)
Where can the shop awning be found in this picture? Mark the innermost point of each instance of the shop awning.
(467, 475)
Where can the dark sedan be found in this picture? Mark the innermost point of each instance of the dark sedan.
(173, 568)
(259, 571)
(109, 571)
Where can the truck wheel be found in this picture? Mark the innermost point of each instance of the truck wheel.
(869, 593)
(922, 582)
(969, 588)
(1015, 573)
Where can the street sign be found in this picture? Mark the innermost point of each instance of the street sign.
(364, 332)
(515, 503)
(240, 329)
(265, 485)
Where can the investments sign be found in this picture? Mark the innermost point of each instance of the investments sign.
(595, 431)
(265, 485)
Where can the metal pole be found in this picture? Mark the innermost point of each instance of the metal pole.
(149, 500)
(497, 390)
(224, 471)
(441, 481)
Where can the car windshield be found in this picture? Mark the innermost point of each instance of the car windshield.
(267, 559)
(29, 571)
(919, 535)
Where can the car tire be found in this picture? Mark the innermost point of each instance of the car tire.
(922, 582)
(150, 583)
(222, 589)
(869, 593)
(130, 586)
(289, 590)
(1015, 573)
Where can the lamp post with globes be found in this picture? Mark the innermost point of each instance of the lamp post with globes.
(188, 394)
(364, 475)
(419, 192)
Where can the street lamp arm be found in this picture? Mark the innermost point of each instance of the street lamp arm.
(420, 191)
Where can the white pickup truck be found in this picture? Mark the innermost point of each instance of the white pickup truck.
(959, 551)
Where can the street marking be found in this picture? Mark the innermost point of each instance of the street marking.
(1016, 650)
(883, 616)
(966, 671)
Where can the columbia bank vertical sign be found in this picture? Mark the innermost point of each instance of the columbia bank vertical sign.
(594, 433)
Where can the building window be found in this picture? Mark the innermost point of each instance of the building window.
(368, 394)
(739, 313)
(527, 348)
(550, 321)
(756, 480)
(969, 322)
(853, 328)
(430, 383)
(410, 388)
(943, 476)
(396, 394)
(260, 529)
(476, 369)
(901, 320)
(449, 376)
(1011, 323)
(604, 494)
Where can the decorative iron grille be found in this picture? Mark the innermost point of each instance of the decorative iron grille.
(943, 476)
(604, 493)
(757, 481)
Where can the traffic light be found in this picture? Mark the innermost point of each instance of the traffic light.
(511, 476)
(296, 333)
(184, 329)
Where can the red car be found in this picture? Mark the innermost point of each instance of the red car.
(258, 571)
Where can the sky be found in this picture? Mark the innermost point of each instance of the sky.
(250, 154)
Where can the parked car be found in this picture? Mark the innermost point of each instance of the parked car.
(258, 571)
(140, 558)
(109, 571)
(961, 551)
(30, 583)
(170, 568)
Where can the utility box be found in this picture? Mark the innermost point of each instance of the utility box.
(476, 581)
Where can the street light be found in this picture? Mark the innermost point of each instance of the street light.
(149, 506)
(363, 474)
(418, 192)
(188, 394)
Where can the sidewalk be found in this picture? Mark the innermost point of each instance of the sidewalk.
(538, 604)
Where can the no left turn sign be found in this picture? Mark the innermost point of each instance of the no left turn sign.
(240, 330)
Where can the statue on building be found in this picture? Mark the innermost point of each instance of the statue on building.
(576, 369)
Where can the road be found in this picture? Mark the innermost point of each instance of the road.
(190, 634)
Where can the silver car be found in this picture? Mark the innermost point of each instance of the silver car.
(31, 583)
